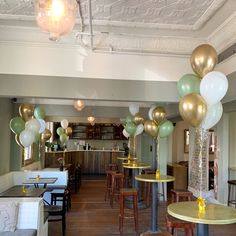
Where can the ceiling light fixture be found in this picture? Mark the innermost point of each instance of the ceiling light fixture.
(57, 17)
(79, 105)
(91, 119)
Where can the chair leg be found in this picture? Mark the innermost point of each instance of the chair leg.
(135, 204)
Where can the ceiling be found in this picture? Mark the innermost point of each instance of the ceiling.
(150, 27)
(130, 26)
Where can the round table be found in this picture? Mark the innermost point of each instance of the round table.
(154, 180)
(135, 169)
(214, 214)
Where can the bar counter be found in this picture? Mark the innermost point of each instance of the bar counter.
(92, 161)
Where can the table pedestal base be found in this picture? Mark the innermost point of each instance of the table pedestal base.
(202, 230)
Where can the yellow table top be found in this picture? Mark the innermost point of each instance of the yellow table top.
(214, 213)
(136, 166)
(154, 179)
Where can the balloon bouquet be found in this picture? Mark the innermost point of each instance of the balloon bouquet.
(201, 94)
(29, 127)
(158, 127)
(133, 126)
(64, 132)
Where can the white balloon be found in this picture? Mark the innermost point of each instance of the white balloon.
(125, 133)
(133, 109)
(27, 137)
(64, 124)
(33, 125)
(214, 113)
(213, 87)
(150, 112)
(139, 129)
(42, 125)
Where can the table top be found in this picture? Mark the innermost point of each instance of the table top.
(125, 158)
(136, 166)
(214, 213)
(17, 191)
(152, 178)
(40, 181)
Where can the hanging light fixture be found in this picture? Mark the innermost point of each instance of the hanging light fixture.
(91, 119)
(79, 105)
(57, 17)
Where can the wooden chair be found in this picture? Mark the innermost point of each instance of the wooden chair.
(126, 213)
(108, 184)
(173, 224)
(75, 179)
(232, 192)
(57, 212)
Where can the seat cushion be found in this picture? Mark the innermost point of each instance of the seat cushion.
(20, 232)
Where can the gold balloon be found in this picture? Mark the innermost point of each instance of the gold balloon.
(151, 128)
(158, 115)
(203, 59)
(26, 111)
(138, 119)
(17, 139)
(46, 135)
(68, 131)
(193, 109)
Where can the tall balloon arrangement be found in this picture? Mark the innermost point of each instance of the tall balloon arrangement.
(158, 127)
(200, 97)
(30, 126)
(64, 132)
(133, 126)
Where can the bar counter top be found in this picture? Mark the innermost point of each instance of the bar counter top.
(96, 150)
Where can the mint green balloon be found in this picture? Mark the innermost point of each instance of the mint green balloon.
(130, 128)
(60, 131)
(166, 128)
(129, 119)
(39, 113)
(17, 124)
(63, 138)
(187, 84)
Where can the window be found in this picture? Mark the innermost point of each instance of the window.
(27, 155)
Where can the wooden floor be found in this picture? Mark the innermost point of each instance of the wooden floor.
(90, 215)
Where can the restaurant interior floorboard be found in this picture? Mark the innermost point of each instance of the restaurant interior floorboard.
(90, 215)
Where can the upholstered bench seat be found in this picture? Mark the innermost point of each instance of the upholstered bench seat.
(20, 232)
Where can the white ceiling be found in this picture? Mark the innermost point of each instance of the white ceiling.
(151, 26)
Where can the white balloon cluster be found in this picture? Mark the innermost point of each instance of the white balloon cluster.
(213, 88)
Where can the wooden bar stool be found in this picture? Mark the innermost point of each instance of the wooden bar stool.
(232, 192)
(117, 182)
(127, 213)
(172, 223)
(180, 194)
(112, 166)
(108, 183)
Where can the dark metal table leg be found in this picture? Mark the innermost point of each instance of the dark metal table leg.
(154, 207)
(202, 230)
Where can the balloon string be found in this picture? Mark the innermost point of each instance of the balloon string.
(157, 154)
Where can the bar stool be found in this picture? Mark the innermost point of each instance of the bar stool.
(232, 192)
(112, 166)
(108, 183)
(117, 182)
(184, 194)
(172, 224)
(127, 213)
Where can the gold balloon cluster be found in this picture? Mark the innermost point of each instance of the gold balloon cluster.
(156, 116)
(138, 118)
(193, 107)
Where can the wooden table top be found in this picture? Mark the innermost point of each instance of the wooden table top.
(136, 166)
(152, 178)
(214, 213)
(40, 181)
(17, 191)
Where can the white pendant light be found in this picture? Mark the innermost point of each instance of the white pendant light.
(79, 105)
(57, 17)
(91, 119)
